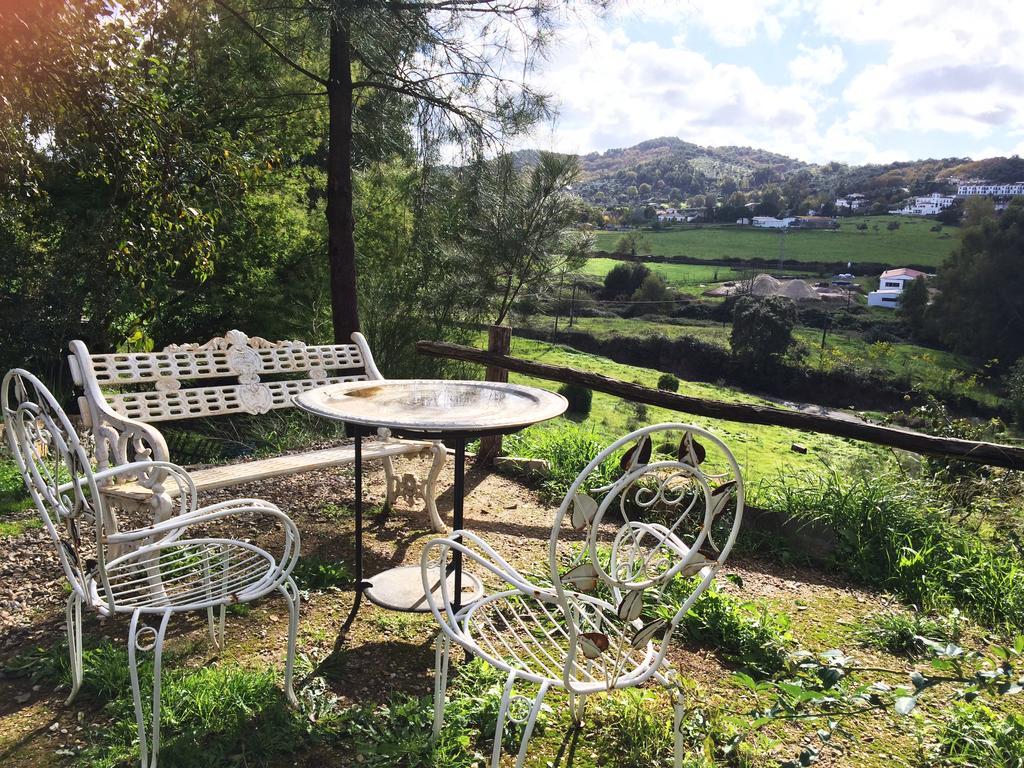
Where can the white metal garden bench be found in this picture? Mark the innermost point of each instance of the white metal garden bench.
(125, 393)
(652, 542)
(147, 572)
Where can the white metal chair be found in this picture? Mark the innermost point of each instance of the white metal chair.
(152, 571)
(649, 548)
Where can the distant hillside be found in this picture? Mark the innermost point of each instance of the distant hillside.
(677, 170)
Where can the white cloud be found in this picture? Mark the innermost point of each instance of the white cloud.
(819, 66)
(615, 92)
(872, 81)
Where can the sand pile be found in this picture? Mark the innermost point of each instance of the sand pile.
(765, 285)
(799, 290)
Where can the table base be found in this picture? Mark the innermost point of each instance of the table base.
(401, 589)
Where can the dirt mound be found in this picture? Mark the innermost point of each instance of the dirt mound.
(765, 285)
(799, 290)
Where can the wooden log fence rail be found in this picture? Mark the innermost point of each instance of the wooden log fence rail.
(993, 454)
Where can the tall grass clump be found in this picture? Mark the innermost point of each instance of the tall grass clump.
(567, 449)
(977, 736)
(892, 534)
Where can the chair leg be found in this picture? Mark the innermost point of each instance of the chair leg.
(530, 722)
(442, 651)
(291, 594)
(499, 726)
(577, 708)
(148, 754)
(440, 454)
(74, 621)
(677, 730)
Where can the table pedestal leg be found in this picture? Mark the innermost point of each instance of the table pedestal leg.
(360, 583)
(458, 499)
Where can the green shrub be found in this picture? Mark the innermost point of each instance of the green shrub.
(668, 382)
(580, 398)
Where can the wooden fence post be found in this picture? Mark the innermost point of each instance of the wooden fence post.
(499, 340)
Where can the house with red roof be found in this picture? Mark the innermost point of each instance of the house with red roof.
(891, 285)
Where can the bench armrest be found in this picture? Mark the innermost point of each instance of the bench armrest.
(114, 434)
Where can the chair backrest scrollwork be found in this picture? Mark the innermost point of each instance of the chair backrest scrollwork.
(653, 540)
(54, 464)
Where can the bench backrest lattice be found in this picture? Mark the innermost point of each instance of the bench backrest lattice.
(169, 385)
(125, 391)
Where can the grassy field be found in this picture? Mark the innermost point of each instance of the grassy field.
(912, 243)
(764, 452)
(690, 279)
(933, 369)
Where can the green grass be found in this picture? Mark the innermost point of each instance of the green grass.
(690, 279)
(912, 243)
(762, 451)
(902, 633)
(934, 370)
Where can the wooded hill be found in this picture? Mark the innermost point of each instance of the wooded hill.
(677, 169)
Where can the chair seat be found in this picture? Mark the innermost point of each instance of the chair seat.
(518, 631)
(186, 575)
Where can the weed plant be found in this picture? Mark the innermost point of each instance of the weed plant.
(893, 535)
(319, 575)
(903, 633)
(567, 450)
(977, 736)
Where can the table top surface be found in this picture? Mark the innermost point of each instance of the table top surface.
(433, 406)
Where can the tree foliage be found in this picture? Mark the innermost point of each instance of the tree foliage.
(625, 279)
(518, 235)
(762, 328)
(980, 305)
(914, 303)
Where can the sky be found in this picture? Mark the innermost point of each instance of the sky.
(855, 81)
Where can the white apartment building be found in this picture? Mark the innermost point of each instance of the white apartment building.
(926, 206)
(992, 190)
(770, 222)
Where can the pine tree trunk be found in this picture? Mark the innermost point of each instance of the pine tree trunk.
(341, 245)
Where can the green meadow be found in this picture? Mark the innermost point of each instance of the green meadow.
(912, 243)
(764, 452)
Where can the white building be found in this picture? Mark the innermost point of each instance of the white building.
(926, 206)
(770, 222)
(853, 202)
(891, 285)
(992, 190)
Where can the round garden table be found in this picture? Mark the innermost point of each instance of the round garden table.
(425, 409)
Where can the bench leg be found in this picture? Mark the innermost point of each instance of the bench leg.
(390, 483)
(440, 455)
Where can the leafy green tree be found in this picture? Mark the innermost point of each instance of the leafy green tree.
(1015, 389)
(519, 233)
(979, 309)
(631, 244)
(762, 329)
(914, 303)
(433, 58)
(624, 280)
(126, 171)
(653, 294)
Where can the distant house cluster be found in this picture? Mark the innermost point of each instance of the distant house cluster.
(680, 214)
(891, 285)
(794, 222)
(854, 202)
(930, 205)
(990, 190)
